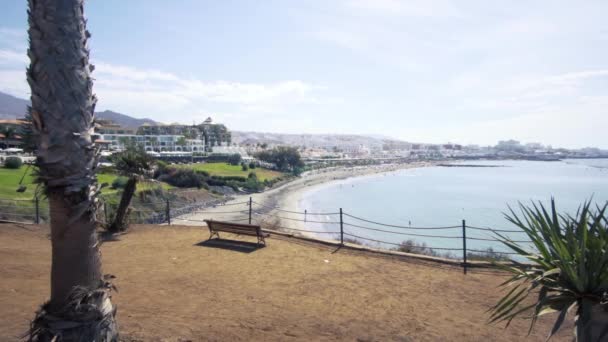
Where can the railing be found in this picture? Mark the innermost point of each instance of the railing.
(341, 225)
(338, 225)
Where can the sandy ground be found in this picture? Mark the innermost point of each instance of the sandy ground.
(289, 195)
(175, 287)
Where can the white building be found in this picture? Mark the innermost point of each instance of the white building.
(153, 143)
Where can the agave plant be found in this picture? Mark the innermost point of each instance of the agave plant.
(568, 270)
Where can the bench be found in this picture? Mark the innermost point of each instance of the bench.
(235, 228)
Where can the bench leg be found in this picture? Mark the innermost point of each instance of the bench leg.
(261, 239)
(214, 233)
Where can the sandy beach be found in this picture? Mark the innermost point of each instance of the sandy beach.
(287, 196)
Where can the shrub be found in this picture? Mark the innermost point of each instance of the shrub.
(244, 167)
(183, 178)
(230, 178)
(253, 185)
(203, 173)
(252, 175)
(487, 255)
(119, 182)
(411, 246)
(13, 163)
(252, 165)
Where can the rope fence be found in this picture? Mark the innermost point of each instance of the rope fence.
(327, 223)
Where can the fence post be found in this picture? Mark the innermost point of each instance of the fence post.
(464, 246)
(105, 211)
(168, 213)
(305, 213)
(37, 210)
(341, 229)
(250, 208)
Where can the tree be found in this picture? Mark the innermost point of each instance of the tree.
(133, 163)
(181, 141)
(63, 108)
(569, 269)
(154, 143)
(27, 135)
(284, 157)
(234, 159)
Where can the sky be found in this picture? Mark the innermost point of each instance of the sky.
(469, 72)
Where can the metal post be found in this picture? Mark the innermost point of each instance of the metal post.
(105, 212)
(37, 210)
(305, 213)
(464, 246)
(168, 213)
(250, 207)
(341, 229)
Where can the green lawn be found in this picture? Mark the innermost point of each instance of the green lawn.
(9, 182)
(225, 169)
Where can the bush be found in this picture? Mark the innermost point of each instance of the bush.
(244, 167)
(230, 178)
(252, 175)
(252, 165)
(253, 185)
(203, 173)
(183, 178)
(13, 163)
(119, 182)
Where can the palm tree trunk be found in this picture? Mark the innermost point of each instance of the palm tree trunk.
(120, 220)
(62, 121)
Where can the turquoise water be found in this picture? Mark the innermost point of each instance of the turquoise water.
(444, 196)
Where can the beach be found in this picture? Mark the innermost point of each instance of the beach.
(287, 196)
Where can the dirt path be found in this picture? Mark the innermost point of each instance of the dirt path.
(173, 288)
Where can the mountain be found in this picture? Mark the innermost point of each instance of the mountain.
(123, 119)
(12, 107)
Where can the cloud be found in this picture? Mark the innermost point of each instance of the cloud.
(164, 95)
(12, 57)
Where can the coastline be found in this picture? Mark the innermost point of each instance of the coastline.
(289, 195)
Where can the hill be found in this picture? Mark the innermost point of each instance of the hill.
(12, 107)
(123, 119)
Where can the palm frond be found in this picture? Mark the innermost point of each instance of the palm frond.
(569, 261)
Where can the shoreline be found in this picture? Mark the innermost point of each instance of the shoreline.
(289, 195)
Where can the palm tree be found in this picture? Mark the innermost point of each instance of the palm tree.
(181, 142)
(569, 270)
(63, 104)
(134, 163)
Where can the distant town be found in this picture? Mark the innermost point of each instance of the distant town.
(209, 139)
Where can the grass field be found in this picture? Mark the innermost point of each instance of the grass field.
(224, 169)
(9, 182)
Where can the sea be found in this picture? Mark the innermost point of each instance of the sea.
(428, 205)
